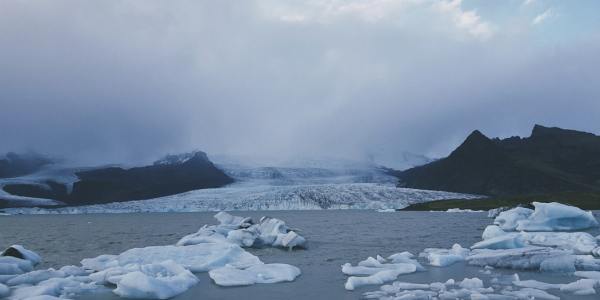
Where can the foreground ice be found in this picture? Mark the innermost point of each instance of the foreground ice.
(445, 257)
(536, 246)
(380, 270)
(156, 281)
(546, 217)
(259, 273)
(158, 272)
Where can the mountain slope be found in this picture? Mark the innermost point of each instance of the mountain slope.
(172, 175)
(550, 160)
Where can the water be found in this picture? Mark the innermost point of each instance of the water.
(335, 237)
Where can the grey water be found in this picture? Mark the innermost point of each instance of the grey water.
(335, 237)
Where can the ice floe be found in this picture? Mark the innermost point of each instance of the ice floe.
(380, 270)
(259, 273)
(546, 217)
(156, 281)
(541, 240)
(445, 257)
(159, 272)
(459, 210)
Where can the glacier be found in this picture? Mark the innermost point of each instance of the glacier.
(310, 187)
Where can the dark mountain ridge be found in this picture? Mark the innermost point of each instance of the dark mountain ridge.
(171, 175)
(14, 165)
(550, 160)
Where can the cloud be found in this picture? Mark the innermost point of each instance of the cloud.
(113, 81)
(543, 17)
(528, 2)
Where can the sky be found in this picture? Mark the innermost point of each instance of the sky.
(128, 81)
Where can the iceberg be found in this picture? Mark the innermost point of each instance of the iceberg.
(156, 281)
(557, 217)
(159, 272)
(379, 270)
(21, 252)
(261, 273)
(445, 257)
(546, 217)
(243, 232)
(4, 291)
(526, 258)
(508, 220)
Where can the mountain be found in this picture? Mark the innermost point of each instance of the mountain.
(551, 160)
(398, 161)
(171, 175)
(13, 165)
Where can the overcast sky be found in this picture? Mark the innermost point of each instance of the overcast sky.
(115, 81)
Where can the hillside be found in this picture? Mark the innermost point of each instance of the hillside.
(172, 175)
(551, 160)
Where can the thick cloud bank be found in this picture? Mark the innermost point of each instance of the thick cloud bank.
(111, 81)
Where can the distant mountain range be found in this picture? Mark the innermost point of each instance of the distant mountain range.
(171, 175)
(13, 165)
(551, 160)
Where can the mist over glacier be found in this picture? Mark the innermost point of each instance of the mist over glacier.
(127, 82)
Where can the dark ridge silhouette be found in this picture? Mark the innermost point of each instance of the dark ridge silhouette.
(550, 160)
(172, 175)
(14, 165)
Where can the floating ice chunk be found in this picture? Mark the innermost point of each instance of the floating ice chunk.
(527, 258)
(21, 252)
(492, 231)
(579, 242)
(530, 293)
(459, 210)
(385, 210)
(380, 277)
(290, 240)
(242, 237)
(445, 257)
(35, 277)
(506, 241)
(406, 257)
(588, 274)
(556, 217)
(261, 273)
(471, 283)
(4, 291)
(581, 287)
(73, 271)
(507, 220)
(54, 287)
(99, 263)
(537, 284)
(156, 281)
(371, 270)
(204, 235)
(563, 264)
(227, 219)
(196, 258)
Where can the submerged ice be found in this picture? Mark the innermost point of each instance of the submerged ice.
(159, 272)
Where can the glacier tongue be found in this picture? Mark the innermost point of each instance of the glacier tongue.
(278, 188)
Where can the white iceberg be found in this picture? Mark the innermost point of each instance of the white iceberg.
(156, 281)
(444, 257)
(379, 270)
(546, 217)
(4, 291)
(242, 231)
(508, 220)
(526, 258)
(35, 277)
(21, 252)
(557, 217)
(261, 273)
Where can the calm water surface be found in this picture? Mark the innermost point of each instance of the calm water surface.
(335, 237)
